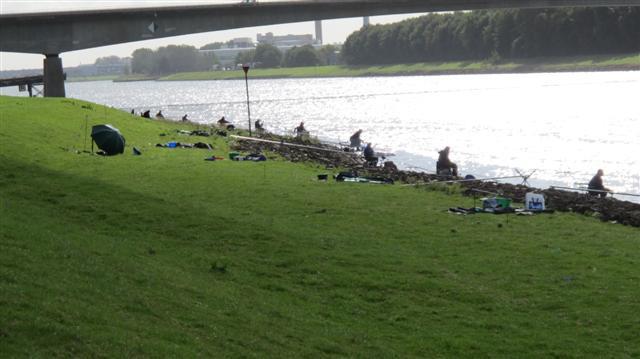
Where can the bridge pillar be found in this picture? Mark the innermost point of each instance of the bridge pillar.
(53, 76)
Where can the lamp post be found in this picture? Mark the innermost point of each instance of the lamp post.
(245, 68)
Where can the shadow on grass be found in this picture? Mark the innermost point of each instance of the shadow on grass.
(102, 206)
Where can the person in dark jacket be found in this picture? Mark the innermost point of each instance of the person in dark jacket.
(222, 122)
(355, 141)
(300, 130)
(445, 164)
(369, 155)
(597, 185)
(146, 114)
(259, 125)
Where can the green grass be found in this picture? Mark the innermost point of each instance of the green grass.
(578, 63)
(167, 255)
(135, 77)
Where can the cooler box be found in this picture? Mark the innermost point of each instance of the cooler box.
(534, 202)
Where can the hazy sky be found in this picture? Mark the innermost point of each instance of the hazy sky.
(334, 31)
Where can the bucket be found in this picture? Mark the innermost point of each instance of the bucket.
(503, 202)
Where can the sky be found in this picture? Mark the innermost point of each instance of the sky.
(334, 31)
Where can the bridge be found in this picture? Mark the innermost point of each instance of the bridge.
(53, 33)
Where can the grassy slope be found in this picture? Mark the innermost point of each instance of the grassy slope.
(579, 63)
(165, 254)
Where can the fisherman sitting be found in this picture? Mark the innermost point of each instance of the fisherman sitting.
(146, 114)
(300, 130)
(184, 118)
(355, 141)
(369, 155)
(597, 185)
(259, 125)
(159, 115)
(444, 166)
(222, 122)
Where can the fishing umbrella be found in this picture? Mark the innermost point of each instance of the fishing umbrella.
(108, 139)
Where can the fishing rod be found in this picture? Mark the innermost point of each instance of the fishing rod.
(596, 190)
(485, 192)
(464, 180)
(282, 143)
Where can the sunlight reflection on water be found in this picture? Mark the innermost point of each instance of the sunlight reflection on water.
(564, 125)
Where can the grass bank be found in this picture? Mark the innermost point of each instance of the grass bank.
(135, 77)
(580, 63)
(168, 255)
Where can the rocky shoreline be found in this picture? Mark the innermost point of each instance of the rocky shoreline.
(607, 209)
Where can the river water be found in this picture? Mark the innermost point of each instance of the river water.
(563, 126)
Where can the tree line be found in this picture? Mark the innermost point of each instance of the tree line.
(269, 56)
(170, 59)
(497, 34)
(182, 58)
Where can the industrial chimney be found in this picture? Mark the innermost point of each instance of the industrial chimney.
(319, 32)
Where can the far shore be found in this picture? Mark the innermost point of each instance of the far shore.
(624, 62)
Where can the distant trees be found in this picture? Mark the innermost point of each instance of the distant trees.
(142, 61)
(170, 59)
(246, 57)
(328, 55)
(268, 55)
(213, 46)
(497, 34)
(109, 60)
(183, 58)
(264, 54)
(301, 56)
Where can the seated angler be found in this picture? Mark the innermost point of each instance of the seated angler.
(369, 155)
(596, 184)
(355, 141)
(444, 166)
(222, 122)
(300, 130)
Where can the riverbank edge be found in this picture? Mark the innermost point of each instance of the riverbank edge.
(317, 152)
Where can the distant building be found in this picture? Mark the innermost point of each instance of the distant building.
(242, 42)
(227, 54)
(318, 24)
(286, 40)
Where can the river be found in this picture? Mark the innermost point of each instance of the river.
(563, 126)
